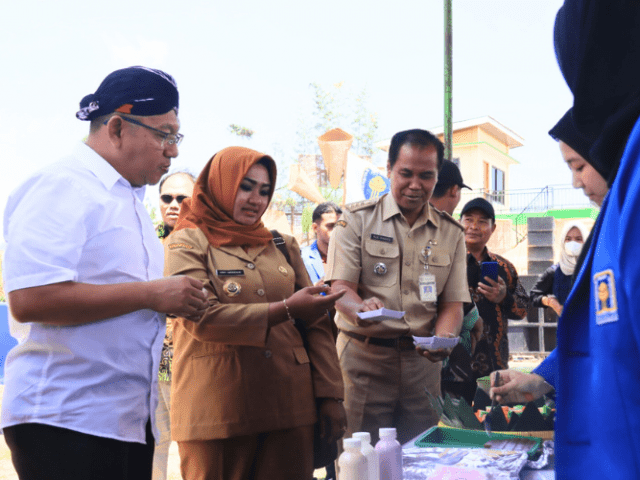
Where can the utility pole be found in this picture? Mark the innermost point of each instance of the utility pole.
(448, 80)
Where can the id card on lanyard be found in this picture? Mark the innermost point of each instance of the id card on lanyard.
(427, 280)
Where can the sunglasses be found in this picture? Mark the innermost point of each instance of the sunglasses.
(166, 198)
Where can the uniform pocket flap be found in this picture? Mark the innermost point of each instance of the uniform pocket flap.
(301, 355)
(438, 258)
(381, 249)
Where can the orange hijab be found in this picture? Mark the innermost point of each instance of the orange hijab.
(211, 207)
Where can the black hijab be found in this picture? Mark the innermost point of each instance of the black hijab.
(597, 45)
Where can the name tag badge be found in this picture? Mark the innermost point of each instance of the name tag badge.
(606, 303)
(427, 287)
(229, 273)
(381, 238)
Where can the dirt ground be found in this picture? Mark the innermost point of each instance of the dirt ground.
(7, 471)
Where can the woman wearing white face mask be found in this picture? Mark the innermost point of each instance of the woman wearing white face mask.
(554, 284)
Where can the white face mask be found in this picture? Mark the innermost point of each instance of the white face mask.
(573, 248)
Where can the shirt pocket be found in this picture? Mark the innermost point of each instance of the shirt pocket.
(383, 258)
(301, 356)
(439, 265)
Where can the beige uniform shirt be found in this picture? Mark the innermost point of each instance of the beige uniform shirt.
(374, 236)
(232, 374)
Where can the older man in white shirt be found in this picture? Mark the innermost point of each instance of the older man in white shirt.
(83, 272)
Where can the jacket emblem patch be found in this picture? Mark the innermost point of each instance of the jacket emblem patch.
(606, 303)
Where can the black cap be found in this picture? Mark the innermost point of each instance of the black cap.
(479, 204)
(450, 175)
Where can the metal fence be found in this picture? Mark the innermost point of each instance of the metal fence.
(530, 200)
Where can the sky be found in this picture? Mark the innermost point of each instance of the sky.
(251, 62)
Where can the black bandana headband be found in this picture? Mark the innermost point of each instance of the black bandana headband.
(135, 90)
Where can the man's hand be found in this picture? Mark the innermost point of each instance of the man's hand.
(351, 303)
(476, 334)
(368, 305)
(518, 387)
(180, 295)
(333, 419)
(73, 303)
(493, 291)
(436, 355)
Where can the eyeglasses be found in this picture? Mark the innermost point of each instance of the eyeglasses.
(169, 138)
(166, 198)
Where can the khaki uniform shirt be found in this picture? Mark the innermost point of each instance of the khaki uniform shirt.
(232, 374)
(375, 232)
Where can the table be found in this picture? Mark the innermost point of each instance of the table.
(546, 473)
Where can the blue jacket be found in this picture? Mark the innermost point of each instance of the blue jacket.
(596, 365)
(313, 261)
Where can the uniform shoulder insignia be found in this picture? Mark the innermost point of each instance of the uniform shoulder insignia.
(448, 217)
(341, 223)
(173, 246)
(354, 207)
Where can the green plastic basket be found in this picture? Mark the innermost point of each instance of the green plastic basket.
(459, 438)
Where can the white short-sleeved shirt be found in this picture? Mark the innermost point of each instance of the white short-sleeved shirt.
(80, 220)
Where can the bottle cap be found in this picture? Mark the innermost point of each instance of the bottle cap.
(388, 432)
(365, 436)
(349, 443)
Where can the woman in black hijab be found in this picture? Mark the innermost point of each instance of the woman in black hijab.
(596, 365)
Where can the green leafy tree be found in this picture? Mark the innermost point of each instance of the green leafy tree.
(338, 107)
(245, 133)
(335, 106)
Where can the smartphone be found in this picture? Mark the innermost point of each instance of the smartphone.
(489, 269)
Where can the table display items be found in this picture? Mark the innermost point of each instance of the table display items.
(533, 419)
(389, 453)
(370, 454)
(353, 465)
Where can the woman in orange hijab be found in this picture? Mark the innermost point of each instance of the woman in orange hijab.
(245, 388)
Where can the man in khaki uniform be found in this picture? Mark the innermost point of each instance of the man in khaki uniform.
(378, 252)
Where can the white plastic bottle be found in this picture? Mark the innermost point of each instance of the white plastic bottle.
(389, 453)
(370, 454)
(353, 465)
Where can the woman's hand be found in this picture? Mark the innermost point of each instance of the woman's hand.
(518, 387)
(553, 302)
(333, 419)
(307, 304)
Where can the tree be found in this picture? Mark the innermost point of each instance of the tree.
(243, 132)
(335, 106)
(365, 126)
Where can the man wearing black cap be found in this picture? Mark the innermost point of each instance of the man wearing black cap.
(497, 301)
(457, 378)
(83, 272)
(447, 193)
